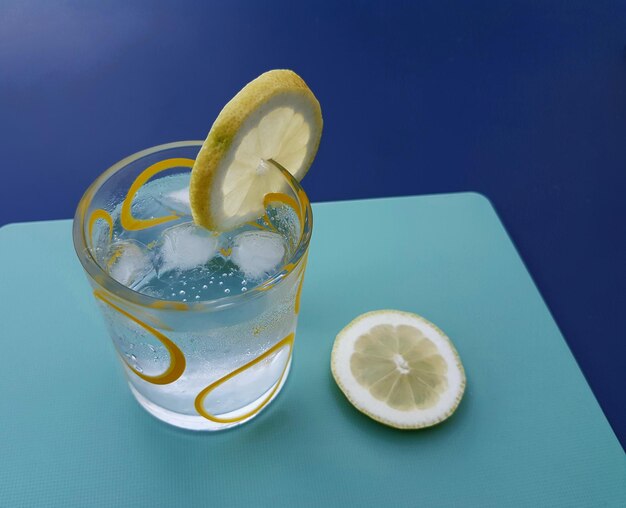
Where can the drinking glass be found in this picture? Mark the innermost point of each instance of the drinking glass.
(206, 364)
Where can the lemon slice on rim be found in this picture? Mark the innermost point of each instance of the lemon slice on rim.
(398, 368)
(274, 117)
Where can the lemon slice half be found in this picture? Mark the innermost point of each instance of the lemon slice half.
(274, 117)
(398, 368)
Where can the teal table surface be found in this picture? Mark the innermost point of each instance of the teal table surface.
(528, 432)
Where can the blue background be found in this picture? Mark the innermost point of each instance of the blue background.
(522, 101)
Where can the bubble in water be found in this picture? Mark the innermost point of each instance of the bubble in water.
(205, 286)
(227, 291)
(197, 297)
(221, 283)
(244, 282)
(244, 289)
(182, 292)
(133, 358)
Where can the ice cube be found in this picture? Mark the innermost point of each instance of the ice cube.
(258, 253)
(163, 196)
(130, 263)
(177, 201)
(185, 247)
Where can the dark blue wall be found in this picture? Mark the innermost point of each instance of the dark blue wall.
(522, 101)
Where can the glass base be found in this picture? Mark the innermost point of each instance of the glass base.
(191, 422)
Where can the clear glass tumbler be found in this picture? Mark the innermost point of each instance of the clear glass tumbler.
(202, 365)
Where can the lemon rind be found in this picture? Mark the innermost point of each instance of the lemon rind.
(358, 404)
(260, 92)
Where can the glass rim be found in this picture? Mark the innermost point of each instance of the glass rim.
(103, 279)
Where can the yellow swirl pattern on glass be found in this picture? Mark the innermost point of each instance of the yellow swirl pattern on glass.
(255, 225)
(167, 305)
(142, 314)
(296, 307)
(266, 226)
(114, 257)
(129, 222)
(177, 358)
(284, 199)
(199, 402)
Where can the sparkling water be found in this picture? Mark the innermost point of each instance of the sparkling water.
(179, 261)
